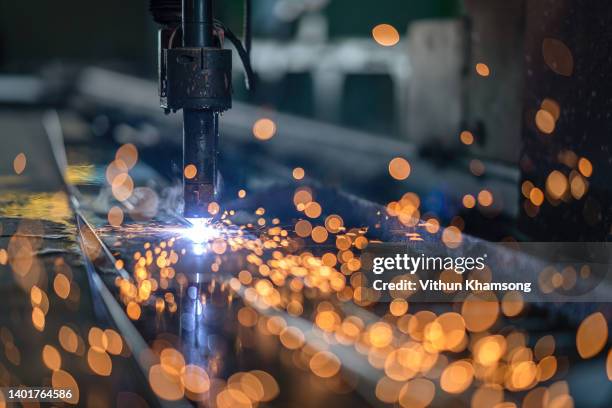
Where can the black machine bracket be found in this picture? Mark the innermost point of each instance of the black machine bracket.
(196, 78)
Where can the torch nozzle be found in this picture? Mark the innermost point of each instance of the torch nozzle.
(200, 135)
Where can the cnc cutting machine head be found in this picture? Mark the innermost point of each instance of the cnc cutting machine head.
(195, 75)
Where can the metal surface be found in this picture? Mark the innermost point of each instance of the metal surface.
(96, 265)
(38, 221)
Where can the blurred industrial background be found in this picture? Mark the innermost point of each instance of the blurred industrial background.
(318, 60)
(391, 120)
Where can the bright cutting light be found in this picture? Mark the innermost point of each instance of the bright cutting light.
(200, 231)
(198, 249)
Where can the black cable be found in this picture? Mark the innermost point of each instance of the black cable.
(246, 32)
(242, 53)
(244, 57)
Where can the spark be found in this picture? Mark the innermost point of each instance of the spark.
(200, 230)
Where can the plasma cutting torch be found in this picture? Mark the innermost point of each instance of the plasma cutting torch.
(195, 75)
